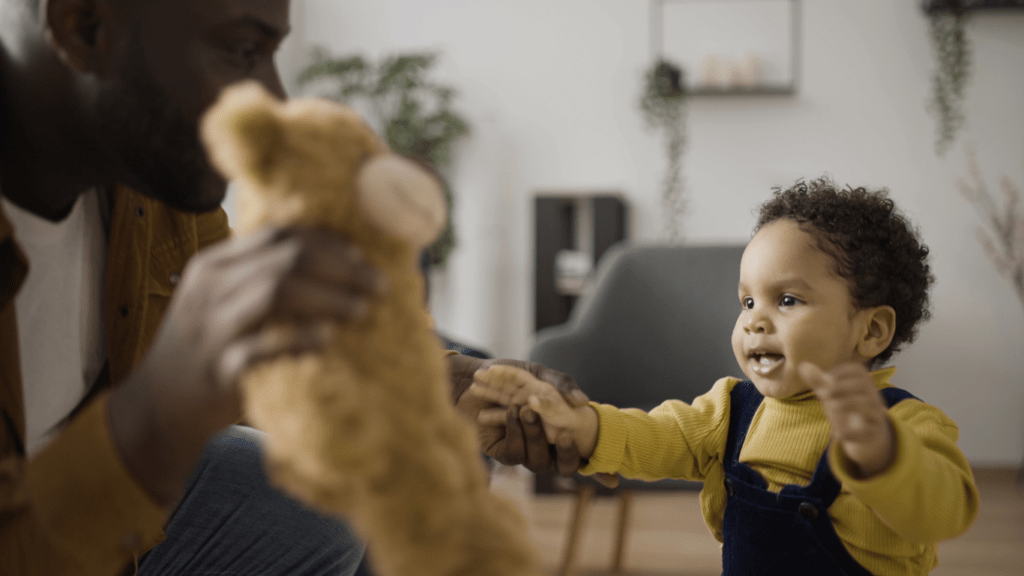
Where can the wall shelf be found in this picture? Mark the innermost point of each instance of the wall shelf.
(933, 6)
(749, 91)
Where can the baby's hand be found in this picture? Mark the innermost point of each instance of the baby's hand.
(510, 386)
(859, 418)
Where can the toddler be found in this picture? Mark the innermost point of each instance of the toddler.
(815, 464)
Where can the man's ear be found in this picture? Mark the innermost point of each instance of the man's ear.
(79, 32)
(879, 325)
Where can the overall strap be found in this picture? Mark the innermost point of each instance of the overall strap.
(743, 402)
(894, 396)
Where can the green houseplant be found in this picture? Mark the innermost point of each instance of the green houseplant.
(412, 112)
(663, 103)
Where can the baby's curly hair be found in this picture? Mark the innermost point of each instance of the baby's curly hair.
(874, 247)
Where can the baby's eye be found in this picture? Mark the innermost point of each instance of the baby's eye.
(747, 303)
(788, 300)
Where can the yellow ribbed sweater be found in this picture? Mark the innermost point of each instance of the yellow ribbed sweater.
(890, 523)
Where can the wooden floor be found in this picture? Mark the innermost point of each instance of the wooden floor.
(668, 536)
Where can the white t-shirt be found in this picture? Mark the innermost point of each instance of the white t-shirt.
(60, 312)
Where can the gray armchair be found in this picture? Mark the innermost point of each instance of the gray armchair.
(655, 323)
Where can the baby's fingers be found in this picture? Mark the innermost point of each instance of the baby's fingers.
(496, 395)
(850, 379)
(543, 406)
(552, 409)
(513, 383)
(856, 419)
(492, 416)
(814, 377)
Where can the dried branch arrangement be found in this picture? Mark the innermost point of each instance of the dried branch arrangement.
(1002, 231)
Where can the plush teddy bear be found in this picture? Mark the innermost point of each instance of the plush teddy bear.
(366, 429)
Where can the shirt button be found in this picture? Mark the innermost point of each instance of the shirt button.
(808, 511)
(130, 541)
(174, 279)
(729, 488)
(122, 311)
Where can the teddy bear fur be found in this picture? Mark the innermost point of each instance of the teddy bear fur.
(365, 429)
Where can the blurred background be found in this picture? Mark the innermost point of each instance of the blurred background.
(775, 90)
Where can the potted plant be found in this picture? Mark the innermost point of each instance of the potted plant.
(952, 71)
(412, 112)
(663, 104)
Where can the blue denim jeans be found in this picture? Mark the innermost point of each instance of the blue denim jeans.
(232, 522)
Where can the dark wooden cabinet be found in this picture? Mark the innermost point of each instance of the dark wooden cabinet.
(587, 223)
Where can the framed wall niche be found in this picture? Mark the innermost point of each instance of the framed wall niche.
(730, 47)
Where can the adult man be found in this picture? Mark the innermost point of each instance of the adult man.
(107, 190)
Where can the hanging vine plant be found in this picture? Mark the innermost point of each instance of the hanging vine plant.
(413, 113)
(952, 71)
(663, 104)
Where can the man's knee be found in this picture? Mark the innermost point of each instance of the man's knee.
(238, 445)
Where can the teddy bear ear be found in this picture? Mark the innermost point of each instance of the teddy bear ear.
(243, 132)
(401, 198)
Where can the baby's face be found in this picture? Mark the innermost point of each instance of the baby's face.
(793, 310)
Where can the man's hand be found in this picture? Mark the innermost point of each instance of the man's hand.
(511, 386)
(521, 439)
(857, 412)
(276, 292)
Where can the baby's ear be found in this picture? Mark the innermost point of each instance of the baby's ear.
(243, 132)
(880, 326)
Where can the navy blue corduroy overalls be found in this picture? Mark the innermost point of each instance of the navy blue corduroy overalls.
(786, 533)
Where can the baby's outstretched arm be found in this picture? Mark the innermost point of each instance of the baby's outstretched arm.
(511, 386)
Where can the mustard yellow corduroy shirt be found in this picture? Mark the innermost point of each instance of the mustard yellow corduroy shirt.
(74, 508)
(890, 523)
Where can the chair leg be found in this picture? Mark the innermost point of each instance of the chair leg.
(625, 512)
(572, 543)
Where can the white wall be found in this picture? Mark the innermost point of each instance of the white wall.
(551, 86)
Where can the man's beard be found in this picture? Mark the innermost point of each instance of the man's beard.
(157, 146)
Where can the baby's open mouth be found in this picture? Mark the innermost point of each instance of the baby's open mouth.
(763, 363)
